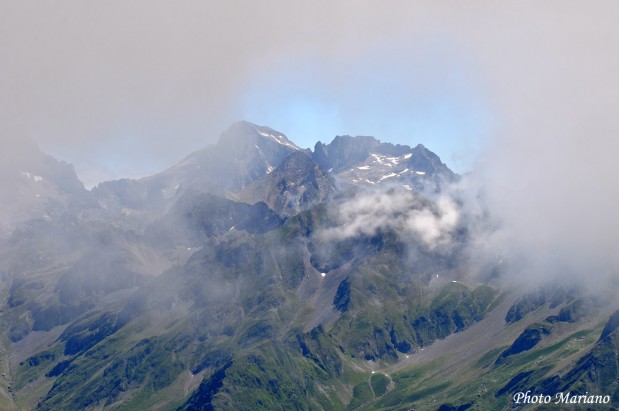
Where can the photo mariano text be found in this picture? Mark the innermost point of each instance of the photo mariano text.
(559, 398)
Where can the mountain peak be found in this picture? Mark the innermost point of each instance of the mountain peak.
(244, 153)
(426, 161)
(344, 151)
(243, 132)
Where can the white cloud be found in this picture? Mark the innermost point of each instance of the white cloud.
(403, 211)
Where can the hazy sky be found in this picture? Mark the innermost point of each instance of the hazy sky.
(127, 88)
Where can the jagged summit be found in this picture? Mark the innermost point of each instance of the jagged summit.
(344, 151)
(243, 133)
(367, 161)
(428, 162)
(246, 153)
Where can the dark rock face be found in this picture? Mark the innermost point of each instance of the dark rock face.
(553, 296)
(342, 296)
(82, 336)
(518, 381)
(198, 216)
(201, 400)
(294, 186)
(574, 311)
(611, 325)
(365, 161)
(344, 151)
(525, 341)
(425, 161)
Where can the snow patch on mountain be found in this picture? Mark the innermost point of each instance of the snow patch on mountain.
(279, 138)
(32, 177)
(387, 176)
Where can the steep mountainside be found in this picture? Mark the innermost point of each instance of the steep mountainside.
(35, 185)
(366, 161)
(294, 186)
(244, 153)
(256, 275)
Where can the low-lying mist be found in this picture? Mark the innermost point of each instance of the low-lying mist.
(535, 214)
(397, 209)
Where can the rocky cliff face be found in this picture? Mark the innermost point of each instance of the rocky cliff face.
(365, 161)
(35, 185)
(294, 186)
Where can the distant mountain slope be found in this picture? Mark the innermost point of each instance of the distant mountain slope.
(244, 153)
(35, 185)
(367, 161)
